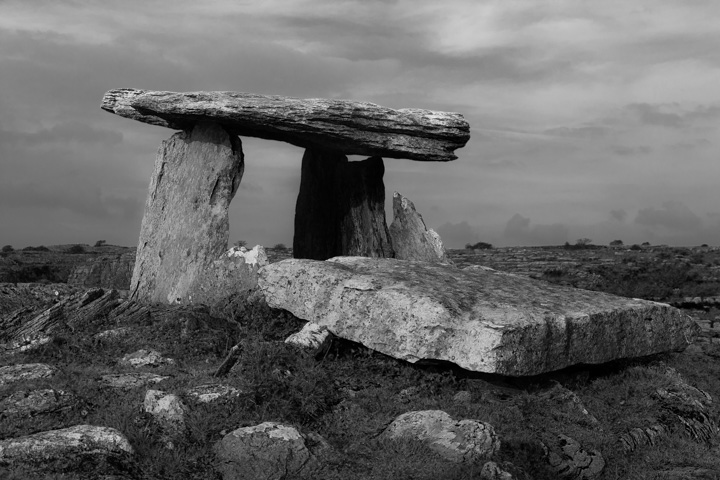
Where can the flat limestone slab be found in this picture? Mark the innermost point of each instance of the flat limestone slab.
(343, 126)
(480, 319)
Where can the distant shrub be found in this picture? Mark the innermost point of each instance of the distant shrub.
(41, 248)
(100, 243)
(76, 249)
(616, 243)
(479, 246)
(279, 246)
(7, 249)
(646, 244)
(580, 244)
(636, 247)
(240, 243)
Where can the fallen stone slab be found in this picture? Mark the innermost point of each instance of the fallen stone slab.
(460, 441)
(211, 392)
(352, 128)
(24, 372)
(145, 358)
(73, 445)
(482, 320)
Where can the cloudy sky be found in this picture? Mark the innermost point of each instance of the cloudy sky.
(588, 119)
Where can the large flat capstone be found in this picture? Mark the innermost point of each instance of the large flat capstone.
(343, 126)
(480, 319)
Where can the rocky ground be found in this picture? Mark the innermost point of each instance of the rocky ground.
(130, 391)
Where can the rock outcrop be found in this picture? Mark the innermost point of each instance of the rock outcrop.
(340, 208)
(352, 128)
(411, 239)
(185, 227)
(460, 441)
(481, 320)
(105, 271)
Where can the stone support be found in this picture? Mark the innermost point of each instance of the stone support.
(340, 208)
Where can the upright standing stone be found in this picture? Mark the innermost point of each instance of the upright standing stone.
(340, 209)
(411, 239)
(185, 227)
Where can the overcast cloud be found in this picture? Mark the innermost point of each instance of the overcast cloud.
(588, 119)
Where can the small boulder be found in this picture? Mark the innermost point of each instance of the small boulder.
(166, 408)
(269, 451)
(570, 460)
(145, 358)
(33, 402)
(463, 396)
(131, 380)
(463, 441)
(210, 392)
(313, 337)
(411, 239)
(78, 445)
(25, 372)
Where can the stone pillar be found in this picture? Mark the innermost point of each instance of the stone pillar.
(340, 208)
(185, 227)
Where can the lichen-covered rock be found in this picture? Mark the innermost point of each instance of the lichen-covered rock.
(185, 227)
(131, 380)
(482, 320)
(145, 358)
(269, 451)
(73, 445)
(211, 392)
(411, 239)
(166, 408)
(24, 372)
(33, 402)
(313, 337)
(570, 460)
(460, 441)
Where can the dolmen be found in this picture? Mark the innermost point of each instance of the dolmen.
(340, 208)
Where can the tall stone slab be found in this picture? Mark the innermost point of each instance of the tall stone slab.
(340, 209)
(411, 239)
(185, 227)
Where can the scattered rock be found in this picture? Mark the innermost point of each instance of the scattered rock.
(269, 451)
(411, 239)
(113, 333)
(353, 128)
(563, 399)
(145, 358)
(131, 380)
(637, 437)
(33, 402)
(569, 460)
(210, 392)
(483, 320)
(185, 227)
(166, 408)
(506, 471)
(462, 441)
(73, 446)
(462, 396)
(313, 337)
(25, 372)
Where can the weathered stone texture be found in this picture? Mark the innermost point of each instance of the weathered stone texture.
(411, 239)
(185, 227)
(481, 320)
(353, 128)
(340, 208)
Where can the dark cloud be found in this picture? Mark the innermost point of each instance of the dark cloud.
(672, 215)
(519, 232)
(620, 215)
(630, 151)
(654, 115)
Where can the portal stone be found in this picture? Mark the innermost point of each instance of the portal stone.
(411, 239)
(340, 209)
(185, 227)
